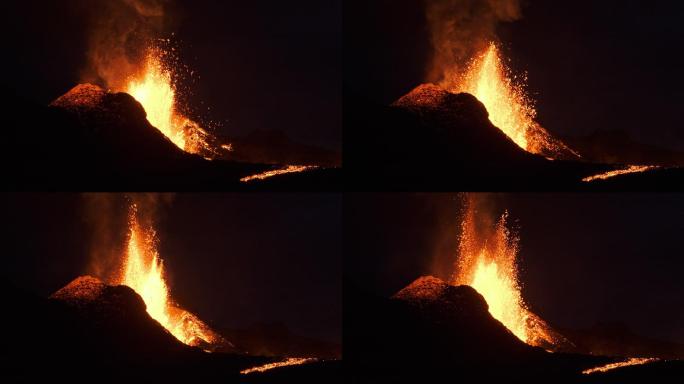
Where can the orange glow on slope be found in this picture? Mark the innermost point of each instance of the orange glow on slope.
(628, 362)
(487, 262)
(143, 271)
(617, 172)
(509, 107)
(155, 90)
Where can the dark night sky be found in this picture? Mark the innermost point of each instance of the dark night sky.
(585, 258)
(261, 64)
(592, 65)
(234, 260)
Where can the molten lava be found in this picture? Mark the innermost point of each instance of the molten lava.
(276, 172)
(618, 172)
(490, 268)
(143, 271)
(155, 90)
(626, 363)
(509, 107)
(279, 364)
(487, 262)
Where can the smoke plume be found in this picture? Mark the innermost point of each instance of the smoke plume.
(120, 33)
(461, 28)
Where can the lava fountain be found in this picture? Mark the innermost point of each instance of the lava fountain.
(487, 78)
(510, 108)
(155, 90)
(143, 271)
(488, 262)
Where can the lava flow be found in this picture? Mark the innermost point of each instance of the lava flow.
(279, 364)
(154, 88)
(626, 363)
(143, 271)
(275, 172)
(509, 107)
(487, 262)
(618, 172)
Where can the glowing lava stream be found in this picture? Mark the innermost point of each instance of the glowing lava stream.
(143, 271)
(617, 172)
(279, 364)
(626, 363)
(276, 172)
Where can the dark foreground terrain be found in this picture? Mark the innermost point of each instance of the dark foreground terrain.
(432, 139)
(91, 332)
(431, 330)
(97, 140)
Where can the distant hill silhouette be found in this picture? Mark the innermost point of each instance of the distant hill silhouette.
(617, 147)
(610, 339)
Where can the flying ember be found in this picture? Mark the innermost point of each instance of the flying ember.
(143, 271)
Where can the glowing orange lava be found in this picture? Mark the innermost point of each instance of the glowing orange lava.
(143, 271)
(276, 172)
(509, 107)
(279, 364)
(155, 90)
(628, 362)
(487, 262)
(617, 172)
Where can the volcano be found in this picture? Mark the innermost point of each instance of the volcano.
(91, 138)
(431, 329)
(435, 138)
(94, 329)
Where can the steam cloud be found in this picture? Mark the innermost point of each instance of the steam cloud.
(121, 31)
(107, 215)
(462, 28)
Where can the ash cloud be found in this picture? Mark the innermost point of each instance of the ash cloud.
(459, 29)
(120, 31)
